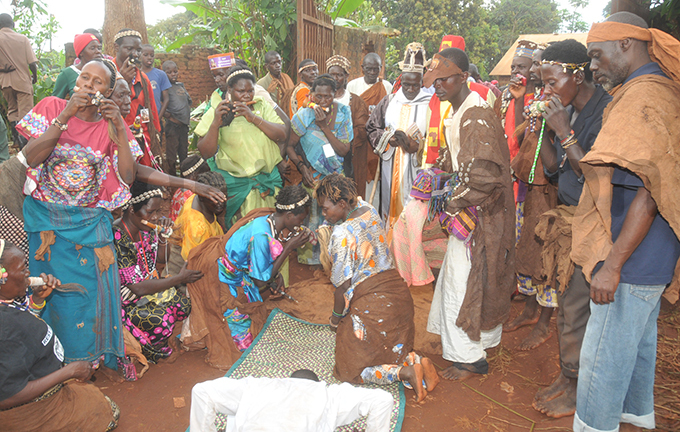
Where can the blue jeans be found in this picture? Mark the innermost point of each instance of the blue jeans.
(618, 356)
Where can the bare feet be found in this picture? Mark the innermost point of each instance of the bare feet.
(539, 334)
(454, 373)
(562, 406)
(430, 373)
(414, 376)
(551, 392)
(529, 316)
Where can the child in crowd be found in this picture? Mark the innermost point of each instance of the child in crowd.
(190, 168)
(177, 118)
(158, 78)
(200, 217)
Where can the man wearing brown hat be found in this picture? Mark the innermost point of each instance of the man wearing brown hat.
(472, 296)
(626, 226)
(355, 163)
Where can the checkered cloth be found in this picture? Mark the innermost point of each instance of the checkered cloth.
(287, 344)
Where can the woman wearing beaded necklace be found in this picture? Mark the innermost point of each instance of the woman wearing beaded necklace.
(321, 140)
(39, 393)
(151, 305)
(373, 309)
(248, 260)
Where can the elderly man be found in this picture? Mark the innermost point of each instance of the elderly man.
(472, 295)
(402, 116)
(627, 221)
(365, 86)
(276, 82)
(355, 161)
(128, 50)
(16, 59)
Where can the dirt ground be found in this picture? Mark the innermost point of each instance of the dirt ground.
(499, 401)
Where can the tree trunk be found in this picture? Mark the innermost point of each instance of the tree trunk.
(120, 14)
(638, 7)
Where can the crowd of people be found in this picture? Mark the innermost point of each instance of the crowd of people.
(557, 190)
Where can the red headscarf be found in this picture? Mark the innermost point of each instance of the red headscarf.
(81, 41)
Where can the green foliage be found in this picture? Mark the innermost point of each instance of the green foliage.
(32, 20)
(665, 15)
(572, 20)
(50, 65)
(515, 17)
(248, 28)
(178, 26)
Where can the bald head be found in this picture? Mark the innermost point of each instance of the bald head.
(371, 67)
(627, 18)
(6, 21)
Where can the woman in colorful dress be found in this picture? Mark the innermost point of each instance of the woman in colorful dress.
(373, 309)
(39, 393)
(243, 150)
(81, 158)
(321, 139)
(245, 263)
(151, 306)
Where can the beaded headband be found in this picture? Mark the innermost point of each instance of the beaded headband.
(300, 203)
(122, 34)
(193, 168)
(143, 197)
(239, 72)
(307, 67)
(340, 61)
(574, 67)
(525, 48)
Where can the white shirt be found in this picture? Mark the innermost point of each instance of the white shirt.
(358, 86)
(287, 404)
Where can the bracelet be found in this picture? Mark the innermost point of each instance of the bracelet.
(298, 165)
(569, 143)
(33, 305)
(330, 321)
(260, 123)
(62, 126)
(569, 137)
(337, 314)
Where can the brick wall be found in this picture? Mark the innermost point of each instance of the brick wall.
(192, 63)
(355, 44)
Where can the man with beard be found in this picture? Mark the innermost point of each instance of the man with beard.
(401, 115)
(355, 161)
(627, 221)
(472, 296)
(276, 82)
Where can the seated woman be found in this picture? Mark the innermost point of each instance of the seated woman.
(245, 265)
(321, 139)
(373, 310)
(199, 219)
(151, 305)
(238, 139)
(190, 168)
(37, 392)
(87, 47)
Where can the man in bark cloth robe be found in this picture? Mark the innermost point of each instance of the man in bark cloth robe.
(276, 82)
(355, 163)
(472, 296)
(572, 103)
(403, 112)
(372, 89)
(627, 221)
(541, 196)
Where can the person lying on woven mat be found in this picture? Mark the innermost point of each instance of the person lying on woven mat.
(373, 310)
(300, 403)
(244, 264)
(37, 392)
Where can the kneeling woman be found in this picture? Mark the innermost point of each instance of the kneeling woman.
(151, 305)
(244, 264)
(373, 310)
(39, 393)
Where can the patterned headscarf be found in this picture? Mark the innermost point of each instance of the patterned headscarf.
(340, 61)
